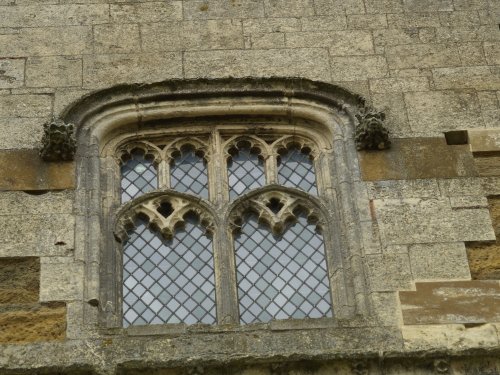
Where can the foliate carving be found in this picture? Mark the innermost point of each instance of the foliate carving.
(303, 144)
(150, 151)
(175, 148)
(370, 132)
(58, 141)
(441, 366)
(276, 209)
(164, 213)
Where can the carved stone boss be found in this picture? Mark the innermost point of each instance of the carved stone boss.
(58, 141)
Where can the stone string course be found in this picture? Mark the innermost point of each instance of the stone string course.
(433, 65)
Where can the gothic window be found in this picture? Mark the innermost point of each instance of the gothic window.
(219, 219)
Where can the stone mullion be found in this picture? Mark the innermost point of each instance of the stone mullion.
(224, 264)
(163, 174)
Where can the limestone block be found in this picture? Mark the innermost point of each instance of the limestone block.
(478, 77)
(19, 280)
(452, 261)
(301, 62)
(71, 40)
(353, 42)
(65, 96)
(449, 336)
(414, 220)
(11, 73)
(140, 12)
(399, 84)
(20, 132)
(470, 201)
(383, 6)
(288, 8)
(18, 203)
(202, 9)
(366, 21)
(24, 170)
(473, 224)
(268, 40)
(388, 272)
(54, 15)
(422, 56)
(451, 302)
(467, 34)
(473, 4)
(478, 366)
(490, 185)
(61, 279)
(116, 38)
(82, 320)
(386, 307)
(25, 105)
(192, 35)
(324, 23)
(472, 54)
(459, 18)
(443, 110)
(492, 52)
(324, 7)
(36, 235)
(457, 187)
(33, 323)
(394, 37)
(357, 68)
(393, 105)
(484, 260)
(53, 71)
(410, 20)
(271, 25)
(427, 5)
(106, 70)
(394, 189)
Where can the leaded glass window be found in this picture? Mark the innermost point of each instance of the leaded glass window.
(272, 264)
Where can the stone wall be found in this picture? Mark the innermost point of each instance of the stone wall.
(433, 66)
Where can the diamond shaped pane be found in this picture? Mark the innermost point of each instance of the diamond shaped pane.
(268, 292)
(138, 176)
(245, 171)
(189, 174)
(297, 170)
(161, 287)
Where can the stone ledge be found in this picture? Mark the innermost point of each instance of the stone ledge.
(417, 158)
(447, 302)
(25, 170)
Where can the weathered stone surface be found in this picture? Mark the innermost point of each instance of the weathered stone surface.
(487, 165)
(105, 70)
(19, 280)
(202, 9)
(288, 8)
(452, 262)
(139, 12)
(417, 158)
(54, 15)
(71, 40)
(366, 21)
(462, 18)
(394, 189)
(400, 84)
(348, 68)
(192, 35)
(478, 77)
(422, 56)
(393, 104)
(467, 34)
(457, 187)
(324, 23)
(383, 6)
(412, 20)
(452, 302)
(25, 105)
(388, 272)
(394, 37)
(24, 170)
(11, 73)
(428, 5)
(20, 132)
(32, 323)
(53, 71)
(272, 25)
(301, 62)
(333, 7)
(61, 279)
(443, 110)
(110, 38)
(263, 41)
(492, 52)
(20, 203)
(339, 42)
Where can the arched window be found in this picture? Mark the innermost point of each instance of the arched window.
(221, 202)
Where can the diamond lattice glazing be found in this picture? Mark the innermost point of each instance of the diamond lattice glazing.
(281, 277)
(168, 281)
(297, 170)
(245, 171)
(189, 174)
(138, 176)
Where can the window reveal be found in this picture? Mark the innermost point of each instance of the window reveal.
(280, 265)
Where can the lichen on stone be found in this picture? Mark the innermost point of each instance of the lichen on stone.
(370, 132)
(58, 141)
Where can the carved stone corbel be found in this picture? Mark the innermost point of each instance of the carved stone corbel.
(370, 132)
(58, 141)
